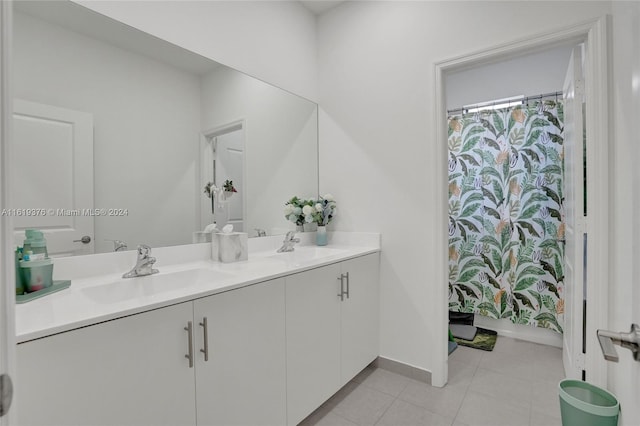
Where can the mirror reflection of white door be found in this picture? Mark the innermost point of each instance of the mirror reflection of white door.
(53, 177)
(575, 223)
(223, 159)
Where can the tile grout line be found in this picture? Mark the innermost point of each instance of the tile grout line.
(467, 389)
(392, 402)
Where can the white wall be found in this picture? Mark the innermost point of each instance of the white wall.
(624, 376)
(280, 146)
(270, 40)
(376, 84)
(128, 95)
(528, 75)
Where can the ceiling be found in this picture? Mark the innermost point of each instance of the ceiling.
(320, 6)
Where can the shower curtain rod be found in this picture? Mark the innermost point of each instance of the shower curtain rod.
(510, 101)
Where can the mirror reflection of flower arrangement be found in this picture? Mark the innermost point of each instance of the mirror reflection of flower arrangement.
(293, 210)
(228, 186)
(229, 189)
(221, 195)
(301, 211)
(209, 189)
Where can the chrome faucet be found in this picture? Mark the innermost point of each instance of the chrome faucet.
(289, 241)
(144, 265)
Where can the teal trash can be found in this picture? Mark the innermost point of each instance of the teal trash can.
(583, 404)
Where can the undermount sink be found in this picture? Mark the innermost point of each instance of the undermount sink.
(303, 254)
(151, 285)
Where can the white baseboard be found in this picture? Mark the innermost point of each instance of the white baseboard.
(506, 328)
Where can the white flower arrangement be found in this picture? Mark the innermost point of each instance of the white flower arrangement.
(301, 211)
(325, 209)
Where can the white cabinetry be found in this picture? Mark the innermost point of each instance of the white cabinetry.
(130, 371)
(134, 370)
(332, 330)
(265, 354)
(243, 379)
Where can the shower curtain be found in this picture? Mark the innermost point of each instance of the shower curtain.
(506, 227)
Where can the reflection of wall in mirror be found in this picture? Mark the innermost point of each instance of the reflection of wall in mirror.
(281, 134)
(147, 116)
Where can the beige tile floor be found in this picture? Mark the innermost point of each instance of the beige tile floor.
(515, 384)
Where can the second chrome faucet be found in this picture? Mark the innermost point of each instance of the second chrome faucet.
(144, 264)
(289, 241)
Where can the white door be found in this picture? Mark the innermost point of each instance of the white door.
(359, 334)
(313, 340)
(53, 176)
(241, 370)
(7, 298)
(624, 375)
(575, 256)
(229, 165)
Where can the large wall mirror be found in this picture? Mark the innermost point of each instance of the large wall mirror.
(117, 133)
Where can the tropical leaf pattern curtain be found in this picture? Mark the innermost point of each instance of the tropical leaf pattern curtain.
(505, 214)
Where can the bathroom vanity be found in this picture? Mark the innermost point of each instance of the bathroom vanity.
(264, 341)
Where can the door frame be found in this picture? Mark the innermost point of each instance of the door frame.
(7, 266)
(206, 162)
(595, 35)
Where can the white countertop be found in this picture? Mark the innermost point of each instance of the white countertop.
(98, 293)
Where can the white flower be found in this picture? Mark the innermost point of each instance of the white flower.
(328, 197)
(288, 209)
(297, 211)
(319, 207)
(293, 218)
(308, 210)
(308, 218)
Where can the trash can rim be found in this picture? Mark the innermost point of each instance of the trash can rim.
(598, 410)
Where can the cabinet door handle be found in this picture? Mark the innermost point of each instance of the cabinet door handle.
(341, 294)
(347, 275)
(189, 355)
(205, 351)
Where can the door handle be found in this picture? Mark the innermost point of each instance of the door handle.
(205, 351)
(342, 290)
(348, 282)
(189, 355)
(6, 394)
(630, 340)
(84, 240)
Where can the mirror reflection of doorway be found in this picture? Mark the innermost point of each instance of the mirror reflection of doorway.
(224, 161)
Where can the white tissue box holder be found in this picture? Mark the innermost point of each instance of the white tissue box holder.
(229, 247)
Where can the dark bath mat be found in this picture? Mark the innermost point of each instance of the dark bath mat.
(484, 340)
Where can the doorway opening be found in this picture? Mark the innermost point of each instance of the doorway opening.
(223, 162)
(593, 35)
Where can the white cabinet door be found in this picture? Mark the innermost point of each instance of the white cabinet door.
(360, 318)
(130, 371)
(243, 382)
(313, 340)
